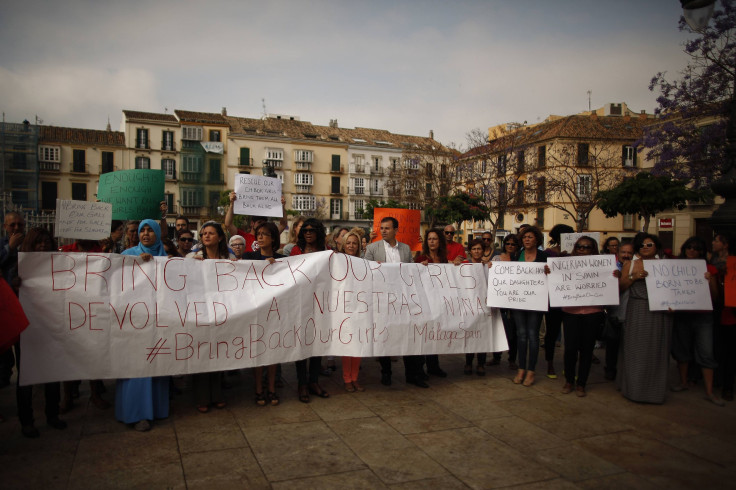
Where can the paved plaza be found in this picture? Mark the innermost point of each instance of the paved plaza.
(464, 431)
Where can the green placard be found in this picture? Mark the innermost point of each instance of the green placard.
(134, 194)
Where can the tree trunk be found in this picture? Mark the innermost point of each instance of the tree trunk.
(645, 229)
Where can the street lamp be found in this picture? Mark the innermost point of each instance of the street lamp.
(697, 14)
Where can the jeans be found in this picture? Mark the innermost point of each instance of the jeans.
(580, 334)
(553, 322)
(527, 332)
(693, 334)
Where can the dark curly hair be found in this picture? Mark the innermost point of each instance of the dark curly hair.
(591, 240)
(639, 240)
(319, 244)
(537, 234)
(699, 244)
(273, 230)
(442, 250)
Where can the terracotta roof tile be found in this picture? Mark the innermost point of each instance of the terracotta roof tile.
(54, 134)
(150, 116)
(200, 117)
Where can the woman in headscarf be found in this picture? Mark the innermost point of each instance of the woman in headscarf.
(139, 400)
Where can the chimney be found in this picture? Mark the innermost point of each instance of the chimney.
(643, 114)
(594, 115)
(431, 134)
(224, 111)
(333, 123)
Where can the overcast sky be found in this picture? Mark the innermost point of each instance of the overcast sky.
(404, 66)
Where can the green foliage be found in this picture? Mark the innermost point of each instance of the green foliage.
(458, 208)
(238, 219)
(647, 195)
(375, 203)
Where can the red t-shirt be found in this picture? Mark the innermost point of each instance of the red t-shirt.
(251, 245)
(74, 247)
(295, 250)
(455, 249)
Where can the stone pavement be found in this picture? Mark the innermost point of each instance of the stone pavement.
(464, 431)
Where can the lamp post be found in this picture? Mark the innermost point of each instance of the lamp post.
(697, 14)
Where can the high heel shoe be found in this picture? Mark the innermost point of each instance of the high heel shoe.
(519, 377)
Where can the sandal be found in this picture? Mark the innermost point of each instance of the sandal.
(349, 388)
(303, 394)
(358, 387)
(260, 399)
(519, 377)
(203, 409)
(273, 398)
(468, 369)
(220, 405)
(316, 389)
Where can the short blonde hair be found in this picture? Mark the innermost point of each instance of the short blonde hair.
(357, 235)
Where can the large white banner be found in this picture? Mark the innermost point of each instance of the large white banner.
(585, 280)
(100, 316)
(517, 285)
(677, 285)
(258, 196)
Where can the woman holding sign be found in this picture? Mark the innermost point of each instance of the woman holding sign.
(207, 387)
(311, 238)
(528, 321)
(645, 346)
(581, 324)
(140, 400)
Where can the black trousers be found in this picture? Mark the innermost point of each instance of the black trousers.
(412, 366)
(553, 323)
(580, 334)
(310, 375)
(24, 397)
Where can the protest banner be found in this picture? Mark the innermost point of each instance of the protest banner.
(258, 196)
(568, 240)
(517, 285)
(134, 194)
(409, 225)
(729, 282)
(585, 280)
(82, 220)
(677, 285)
(95, 316)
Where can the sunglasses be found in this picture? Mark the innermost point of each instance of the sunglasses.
(509, 244)
(309, 230)
(693, 247)
(186, 239)
(451, 233)
(647, 245)
(584, 247)
(486, 239)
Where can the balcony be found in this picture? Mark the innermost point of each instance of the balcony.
(337, 170)
(377, 171)
(337, 191)
(303, 166)
(275, 163)
(108, 168)
(168, 146)
(336, 216)
(191, 210)
(245, 162)
(142, 145)
(170, 175)
(49, 167)
(302, 188)
(376, 192)
(190, 176)
(358, 169)
(215, 179)
(358, 191)
(79, 168)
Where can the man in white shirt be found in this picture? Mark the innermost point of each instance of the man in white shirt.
(392, 251)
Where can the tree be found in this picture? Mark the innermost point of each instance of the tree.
(375, 203)
(646, 195)
(689, 142)
(459, 208)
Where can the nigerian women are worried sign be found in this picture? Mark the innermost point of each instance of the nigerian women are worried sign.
(98, 316)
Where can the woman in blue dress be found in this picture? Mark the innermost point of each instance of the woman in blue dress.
(140, 400)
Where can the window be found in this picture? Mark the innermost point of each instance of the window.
(191, 133)
(142, 162)
(335, 163)
(540, 218)
(191, 163)
(628, 156)
(502, 193)
(412, 163)
(376, 186)
(541, 156)
(583, 154)
(541, 189)
(411, 185)
(394, 164)
(335, 185)
(628, 223)
(107, 162)
(499, 221)
(275, 154)
(335, 208)
(303, 179)
(49, 193)
(303, 203)
(141, 138)
(244, 157)
(168, 165)
(359, 208)
(192, 196)
(303, 156)
(520, 161)
(376, 163)
(215, 135)
(49, 153)
(169, 198)
(167, 141)
(428, 191)
(501, 166)
(584, 187)
(443, 171)
(519, 192)
(359, 185)
(215, 177)
(79, 191)
(79, 162)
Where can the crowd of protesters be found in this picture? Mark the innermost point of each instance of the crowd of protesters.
(638, 342)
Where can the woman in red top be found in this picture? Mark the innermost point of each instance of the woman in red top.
(692, 331)
(434, 251)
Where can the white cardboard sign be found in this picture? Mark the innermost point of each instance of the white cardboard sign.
(677, 285)
(585, 280)
(568, 240)
(82, 220)
(517, 285)
(258, 196)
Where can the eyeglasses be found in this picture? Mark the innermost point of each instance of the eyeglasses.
(584, 247)
(451, 233)
(647, 245)
(238, 244)
(182, 239)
